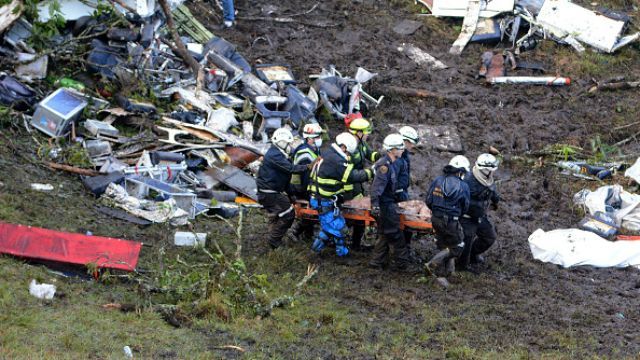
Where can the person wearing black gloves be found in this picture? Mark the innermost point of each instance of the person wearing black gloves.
(479, 232)
(273, 181)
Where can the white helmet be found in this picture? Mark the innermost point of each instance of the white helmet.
(282, 138)
(311, 131)
(460, 162)
(348, 140)
(393, 141)
(487, 162)
(409, 134)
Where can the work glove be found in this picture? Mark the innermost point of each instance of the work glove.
(375, 212)
(370, 173)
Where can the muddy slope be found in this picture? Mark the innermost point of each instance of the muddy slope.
(517, 298)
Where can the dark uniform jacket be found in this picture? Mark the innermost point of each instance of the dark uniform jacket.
(385, 183)
(333, 173)
(275, 173)
(481, 197)
(403, 167)
(448, 194)
(303, 155)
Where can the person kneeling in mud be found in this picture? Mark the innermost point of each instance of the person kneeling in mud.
(448, 198)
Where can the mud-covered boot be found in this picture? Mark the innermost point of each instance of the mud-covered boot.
(436, 260)
(451, 266)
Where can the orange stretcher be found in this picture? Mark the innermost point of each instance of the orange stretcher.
(355, 215)
(628, 237)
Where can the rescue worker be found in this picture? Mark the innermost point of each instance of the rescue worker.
(360, 128)
(384, 208)
(479, 232)
(403, 167)
(273, 183)
(305, 154)
(326, 185)
(448, 198)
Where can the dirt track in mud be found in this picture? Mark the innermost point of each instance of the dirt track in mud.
(517, 300)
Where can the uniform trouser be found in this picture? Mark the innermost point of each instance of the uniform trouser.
(332, 226)
(281, 215)
(358, 230)
(449, 234)
(303, 227)
(390, 235)
(408, 235)
(479, 235)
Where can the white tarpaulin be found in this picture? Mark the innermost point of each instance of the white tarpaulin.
(572, 247)
(634, 171)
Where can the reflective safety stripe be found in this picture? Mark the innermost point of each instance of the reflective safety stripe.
(267, 191)
(290, 209)
(348, 187)
(373, 156)
(324, 181)
(296, 179)
(322, 192)
(347, 172)
(296, 157)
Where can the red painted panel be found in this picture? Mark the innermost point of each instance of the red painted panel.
(38, 243)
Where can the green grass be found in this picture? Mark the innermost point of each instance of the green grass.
(76, 326)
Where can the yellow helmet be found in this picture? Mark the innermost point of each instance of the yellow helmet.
(360, 124)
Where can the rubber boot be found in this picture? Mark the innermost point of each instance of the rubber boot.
(451, 266)
(436, 260)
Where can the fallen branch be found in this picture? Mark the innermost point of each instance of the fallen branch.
(616, 86)
(624, 141)
(124, 6)
(72, 169)
(421, 93)
(181, 49)
(626, 126)
(286, 20)
(230, 347)
(306, 12)
(282, 301)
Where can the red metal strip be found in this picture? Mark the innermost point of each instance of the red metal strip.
(43, 244)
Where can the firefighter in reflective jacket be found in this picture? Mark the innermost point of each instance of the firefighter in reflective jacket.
(360, 128)
(326, 186)
(273, 182)
(448, 198)
(305, 154)
(384, 208)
